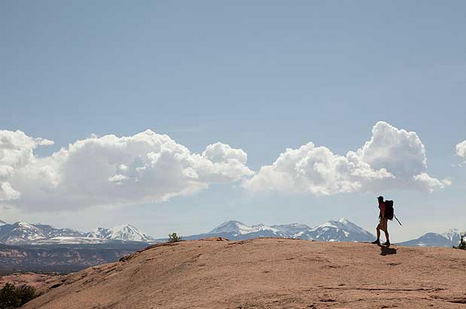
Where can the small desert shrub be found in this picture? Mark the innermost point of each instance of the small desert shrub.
(462, 244)
(12, 297)
(173, 237)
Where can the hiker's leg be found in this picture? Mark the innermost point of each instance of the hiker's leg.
(385, 229)
(387, 236)
(377, 241)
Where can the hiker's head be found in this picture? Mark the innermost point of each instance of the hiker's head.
(380, 199)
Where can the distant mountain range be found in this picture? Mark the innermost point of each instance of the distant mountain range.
(341, 230)
(22, 233)
(448, 239)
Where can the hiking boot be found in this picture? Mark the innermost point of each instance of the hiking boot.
(386, 244)
(376, 242)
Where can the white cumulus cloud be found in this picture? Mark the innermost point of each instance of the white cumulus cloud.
(392, 158)
(461, 149)
(16, 152)
(110, 170)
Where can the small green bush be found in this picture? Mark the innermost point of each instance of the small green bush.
(173, 237)
(12, 297)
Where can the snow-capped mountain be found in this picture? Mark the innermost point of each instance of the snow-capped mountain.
(239, 228)
(260, 230)
(124, 232)
(51, 232)
(128, 233)
(99, 232)
(236, 230)
(341, 230)
(26, 233)
(20, 232)
(430, 240)
(454, 235)
(448, 239)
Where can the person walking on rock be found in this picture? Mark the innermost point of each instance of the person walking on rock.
(383, 223)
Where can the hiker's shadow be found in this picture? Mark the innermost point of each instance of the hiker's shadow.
(386, 250)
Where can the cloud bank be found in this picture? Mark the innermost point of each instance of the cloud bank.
(149, 167)
(392, 159)
(110, 170)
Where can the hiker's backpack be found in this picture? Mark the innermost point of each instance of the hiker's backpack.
(389, 211)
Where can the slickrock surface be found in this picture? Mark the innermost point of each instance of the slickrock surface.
(41, 282)
(268, 273)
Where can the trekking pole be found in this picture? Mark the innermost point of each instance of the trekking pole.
(398, 221)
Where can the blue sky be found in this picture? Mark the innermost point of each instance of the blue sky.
(261, 76)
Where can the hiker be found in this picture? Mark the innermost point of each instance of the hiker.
(383, 223)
